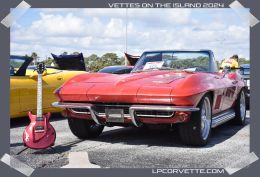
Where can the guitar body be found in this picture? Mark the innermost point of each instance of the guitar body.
(39, 134)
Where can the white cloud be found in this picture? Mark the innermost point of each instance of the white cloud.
(59, 25)
(238, 32)
(115, 28)
(103, 30)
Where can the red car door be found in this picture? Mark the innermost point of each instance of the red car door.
(219, 94)
(230, 83)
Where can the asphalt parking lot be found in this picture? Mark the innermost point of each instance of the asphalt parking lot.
(130, 147)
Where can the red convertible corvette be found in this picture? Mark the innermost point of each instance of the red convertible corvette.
(165, 87)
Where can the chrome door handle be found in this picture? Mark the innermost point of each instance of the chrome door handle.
(59, 78)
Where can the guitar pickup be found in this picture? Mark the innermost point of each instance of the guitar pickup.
(39, 129)
(39, 119)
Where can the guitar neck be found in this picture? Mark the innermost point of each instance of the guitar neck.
(39, 96)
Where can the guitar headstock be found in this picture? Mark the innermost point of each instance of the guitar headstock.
(41, 67)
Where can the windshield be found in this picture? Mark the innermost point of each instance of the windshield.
(189, 61)
(15, 64)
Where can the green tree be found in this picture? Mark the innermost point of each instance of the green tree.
(243, 61)
(48, 61)
(95, 63)
(75, 53)
(91, 62)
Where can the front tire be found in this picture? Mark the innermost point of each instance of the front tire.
(84, 129)
(196, 132)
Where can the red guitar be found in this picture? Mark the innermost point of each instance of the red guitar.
(40, 133)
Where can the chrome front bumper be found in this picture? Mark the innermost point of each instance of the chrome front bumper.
(132, 109)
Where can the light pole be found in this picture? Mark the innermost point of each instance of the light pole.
(126, 22)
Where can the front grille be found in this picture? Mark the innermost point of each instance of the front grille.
(100, 108)
(154, 113)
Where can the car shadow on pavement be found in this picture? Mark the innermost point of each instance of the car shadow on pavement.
(166, 138)
(224, 132)
(144, 136)
(59, 148)
(149, 137)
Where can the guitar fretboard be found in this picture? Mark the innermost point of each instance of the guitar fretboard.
(39, 96)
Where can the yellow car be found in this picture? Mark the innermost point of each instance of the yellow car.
(23, 84)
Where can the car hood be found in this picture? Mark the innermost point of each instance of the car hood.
(70, 62)
(143, 78)
(155, 86)
(131, 59)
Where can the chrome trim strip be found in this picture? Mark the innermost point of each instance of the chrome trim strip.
(139, 115)
(104, 115)
(154, 115)
(113, 105)
(101, 114)
(77, 112)
(78, 105)
(133, 108)
(222, 118)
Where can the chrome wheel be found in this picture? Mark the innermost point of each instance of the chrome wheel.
(242, 106)
(205, 118)
(197, 131)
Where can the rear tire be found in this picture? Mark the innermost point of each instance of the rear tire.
(240, 109)
(196, 132)
(84, 129)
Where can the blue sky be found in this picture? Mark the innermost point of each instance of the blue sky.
(99, 31)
